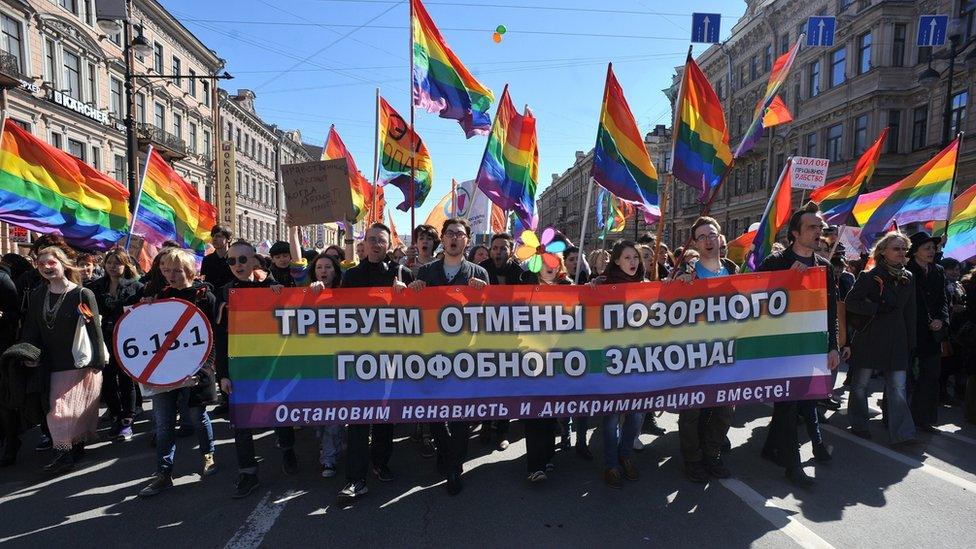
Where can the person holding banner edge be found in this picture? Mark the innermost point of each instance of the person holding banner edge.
(453, 270)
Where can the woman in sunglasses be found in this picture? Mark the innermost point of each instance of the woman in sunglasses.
(73, 387)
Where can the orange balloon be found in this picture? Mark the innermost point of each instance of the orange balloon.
(497, 38)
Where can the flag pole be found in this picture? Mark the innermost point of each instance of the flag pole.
(413, 132)
(952, 185)
(660, 222)
(453, 197)
(376, 156)
(135, 209)
(586, 218)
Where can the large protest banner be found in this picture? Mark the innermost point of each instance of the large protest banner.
(366, 355)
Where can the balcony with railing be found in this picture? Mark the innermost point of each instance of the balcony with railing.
(172, 148)
(10, 75)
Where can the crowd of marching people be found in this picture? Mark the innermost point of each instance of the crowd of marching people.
(900, 314)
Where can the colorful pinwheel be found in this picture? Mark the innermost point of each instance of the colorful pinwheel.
(536, 253)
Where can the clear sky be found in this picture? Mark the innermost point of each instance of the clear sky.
(313, 63)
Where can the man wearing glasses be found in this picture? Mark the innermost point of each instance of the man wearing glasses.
(703, 432)
(452, 270)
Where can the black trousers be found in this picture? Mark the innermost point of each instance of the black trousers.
(244, 446)
(452, 443)
(118, 390)
(360, 452)
(782, 439)
(540, 443)
(924, 399)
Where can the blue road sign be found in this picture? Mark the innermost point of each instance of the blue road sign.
(932, 30)
(820, 31)
(705, 27)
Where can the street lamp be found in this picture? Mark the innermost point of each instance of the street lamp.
(929, 77)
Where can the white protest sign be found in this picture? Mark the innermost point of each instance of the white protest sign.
(850, 237)
(808, 173)
(163, 342)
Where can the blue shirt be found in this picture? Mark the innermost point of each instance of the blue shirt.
(702, 272)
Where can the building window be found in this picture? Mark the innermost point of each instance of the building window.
(57, 140)
(238, 182)
(191, 83)
(813, 78)
(749, 171)
(894, 131)
(50, 62)
(810, 147)
(120, 167)
(860, 134)
(208, 194)
(12, 40)
(784, 43)
(768, 58)
(742, 76)
(92, 86)
(96, 159)
(192, 138)
(206, 143)
(72, 74)
(838, 67)
(898, 45)
(835, 141)
(176, 71)
(159, 116)
(920, 122)
(967, 13)
(76, 148)
(957, 119)
(720, 89)
(141, 108)
(70, 5)
(864, 53)
(753, 68)
(205, 88)
(237, 132)
(115, 97)
(158, 58)
(178, 125)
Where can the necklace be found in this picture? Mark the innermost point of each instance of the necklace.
(50, 312)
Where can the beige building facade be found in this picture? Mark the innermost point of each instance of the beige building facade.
(841, 97)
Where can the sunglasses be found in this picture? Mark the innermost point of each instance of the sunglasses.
(48, 263)
(242, 260)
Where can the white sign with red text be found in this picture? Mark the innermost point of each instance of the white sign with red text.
(808, 173)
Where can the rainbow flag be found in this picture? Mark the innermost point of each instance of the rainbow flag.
(781, 68)
(398, 163)
(924, 195)
(45, 189)
(618, 210)
(509, 171)
(621, 164)
(441, 83)
(362, 191)
(701, 141)
(739, 248)
(961, 243)
(837, 198)
(774, 218)
(777, 113)
(169, 208)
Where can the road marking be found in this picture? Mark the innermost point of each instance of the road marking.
(897, 456)
(261, 519)
(776, 516)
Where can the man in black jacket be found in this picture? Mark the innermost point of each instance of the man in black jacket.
(452, 270)
(932, 329)
(804, 232)
(214, 267)
(374, 271)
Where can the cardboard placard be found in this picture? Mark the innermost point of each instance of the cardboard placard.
(318, 191)
(808, 173)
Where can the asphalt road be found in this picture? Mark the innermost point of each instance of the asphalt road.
(869, 496)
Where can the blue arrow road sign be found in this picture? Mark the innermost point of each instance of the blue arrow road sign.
(820, 31)
(705, 27)
(932, 30)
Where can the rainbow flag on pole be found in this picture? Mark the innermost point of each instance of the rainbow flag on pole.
(621, 164)
(398, 163)
(922, 196)
(169, 208)
(701, 154)
(837, 198)
(362, 191)
(45, 189)
(774, 218)
(781, 68)
(961, 243)
(441, 83)
(509, 171)
(777, 113)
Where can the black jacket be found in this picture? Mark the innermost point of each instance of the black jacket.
(887, 341)
(433, 274)
(111, 307)
(200, 294)
(511, 272)
(784, 260)
(375, 275)
(221, 316)
(215, 270)
(930, 296)
(10, 310)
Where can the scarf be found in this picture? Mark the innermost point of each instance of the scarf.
(897, 272)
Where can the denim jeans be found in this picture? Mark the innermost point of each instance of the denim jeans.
(900, 424)
(331, 436)
(619, 432)
(164, 413)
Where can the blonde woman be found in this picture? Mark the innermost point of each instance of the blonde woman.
(50, 325)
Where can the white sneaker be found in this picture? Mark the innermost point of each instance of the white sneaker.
(638, 445)
(328, 472)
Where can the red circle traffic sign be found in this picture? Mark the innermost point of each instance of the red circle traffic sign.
(163, 342)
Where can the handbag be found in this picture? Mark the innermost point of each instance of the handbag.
(81, 346)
